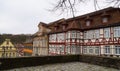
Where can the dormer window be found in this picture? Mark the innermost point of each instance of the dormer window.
(63, 27)
(105, 19)
(88, 20)
(88, 23)
(56, 26)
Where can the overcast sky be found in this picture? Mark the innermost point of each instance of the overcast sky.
(23, 16)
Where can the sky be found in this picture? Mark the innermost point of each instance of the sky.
(23, 16)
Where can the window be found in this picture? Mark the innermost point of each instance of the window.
(10, 48)
(107, 32)
(9, 54)
(85, 49)
(60, 37)
(107, 49)
(96, 34)
(13, 54)
(3, 54)
(90, 50)
(43, 43)
(73, 34)
(6, 48)
(78, 34)
(105, 19)
(73, 49)
(88, 23)
(63, 27)
(97, 50)
(6, 54)
(117, 49)
(78, 49)
(85, 35)
(91, 34)
(62, 48)
(68, 34)
(68, 49)
(54, 37)
(116, 31)
(88, 34)
(36, 51)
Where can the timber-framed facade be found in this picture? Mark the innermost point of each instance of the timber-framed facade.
(96, 33)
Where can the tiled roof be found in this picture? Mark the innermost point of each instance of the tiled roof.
(79, 23)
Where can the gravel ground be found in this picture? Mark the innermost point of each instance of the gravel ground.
(72, 66)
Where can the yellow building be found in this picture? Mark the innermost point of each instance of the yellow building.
(7, 49)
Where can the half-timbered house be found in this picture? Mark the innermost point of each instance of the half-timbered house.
(96, 33)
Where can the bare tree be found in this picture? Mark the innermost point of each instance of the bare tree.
(70, 5)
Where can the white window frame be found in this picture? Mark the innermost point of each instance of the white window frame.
(73, 34)
(107, 50)
(117, 50)
(96, 33)
(78, 34)
(73, 49)
(89, 34)
(97, 50)
(107, 32)
(85, 34)
(91, 50)
(117, 31)
(68, 34)
(85, 50)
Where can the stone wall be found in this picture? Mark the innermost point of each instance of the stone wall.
(102, 61)
(10, 63)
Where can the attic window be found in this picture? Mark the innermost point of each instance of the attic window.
(88, 23)
(63, 27)
(55, 28)
(105, 19)
(88, 20)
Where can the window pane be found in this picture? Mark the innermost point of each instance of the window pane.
(97, 50)
(87, 23)
(107, 49)
(107, 32)
(105, 19)
(90, 50)
(117, 49)
(116, 31)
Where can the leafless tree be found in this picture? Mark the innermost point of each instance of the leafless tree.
(70, 5)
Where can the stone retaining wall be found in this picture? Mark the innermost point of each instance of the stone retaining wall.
(102, 61)
(10, 63)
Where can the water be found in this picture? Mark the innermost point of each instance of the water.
(72, 66)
